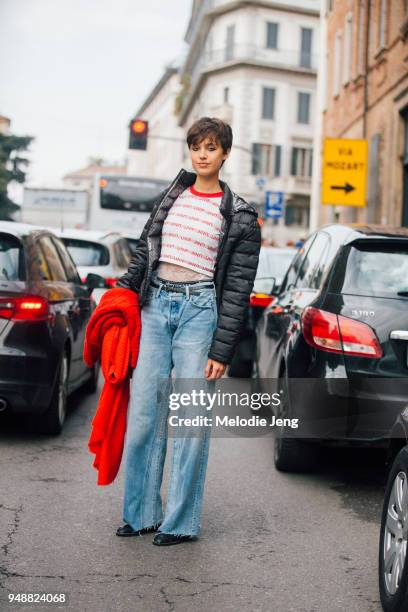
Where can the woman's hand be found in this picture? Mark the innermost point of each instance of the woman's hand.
(214, 369)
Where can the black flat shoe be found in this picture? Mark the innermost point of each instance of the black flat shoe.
(167, 539)
(127, 531)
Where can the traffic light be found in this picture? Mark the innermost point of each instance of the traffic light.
(138, 129)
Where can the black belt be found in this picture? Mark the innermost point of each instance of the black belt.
(180, 286)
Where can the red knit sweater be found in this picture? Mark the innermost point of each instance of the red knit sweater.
(113, 338)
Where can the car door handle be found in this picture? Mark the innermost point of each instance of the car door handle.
(399, 334)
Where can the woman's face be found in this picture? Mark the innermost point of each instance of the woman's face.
(207, 157)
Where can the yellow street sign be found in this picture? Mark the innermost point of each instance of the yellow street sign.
(344, 174)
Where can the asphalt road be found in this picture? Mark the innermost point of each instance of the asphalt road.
(269, 541)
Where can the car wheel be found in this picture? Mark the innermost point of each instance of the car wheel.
(91, 385)
(291, 454)
(392, 561)
(52, 421)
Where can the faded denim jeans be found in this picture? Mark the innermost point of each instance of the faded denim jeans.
(177, 331)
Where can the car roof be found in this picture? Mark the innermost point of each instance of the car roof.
(23, 229)
(355, 231)
(93, 235)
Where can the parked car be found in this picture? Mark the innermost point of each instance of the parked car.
(393, 544)
(340, 319)
(104, 253)
(132, 241)
(44, 311)
(272, 266)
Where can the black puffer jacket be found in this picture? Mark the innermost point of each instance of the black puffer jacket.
(236, 261)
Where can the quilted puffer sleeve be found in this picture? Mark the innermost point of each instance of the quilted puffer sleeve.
(238, 284)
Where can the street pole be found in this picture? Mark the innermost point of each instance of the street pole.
(315, 199)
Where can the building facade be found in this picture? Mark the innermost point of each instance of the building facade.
(254, 65)
(367, 97)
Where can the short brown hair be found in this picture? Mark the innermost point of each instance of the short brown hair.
(210, 126)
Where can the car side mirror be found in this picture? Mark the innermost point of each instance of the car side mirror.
(95, 281)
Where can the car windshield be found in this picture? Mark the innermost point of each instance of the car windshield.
(273, 263)
(11, 259)
(380, 271)
(86, 253)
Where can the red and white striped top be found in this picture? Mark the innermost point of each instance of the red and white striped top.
(191, 232)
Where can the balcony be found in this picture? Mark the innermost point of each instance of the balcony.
(228, 56)
(290, 59)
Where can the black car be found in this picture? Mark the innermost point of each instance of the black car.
(44, 311)
(334, 340)
(393, 541)
(272, 266)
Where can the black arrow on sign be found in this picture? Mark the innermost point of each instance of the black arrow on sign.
(346, 188)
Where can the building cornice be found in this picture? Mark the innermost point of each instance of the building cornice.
(279, 6)
(233, 5)
(192, 96)
(208, 17)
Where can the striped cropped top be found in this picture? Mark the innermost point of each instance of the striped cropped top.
(190, 236)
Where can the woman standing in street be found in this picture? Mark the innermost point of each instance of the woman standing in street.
(194, 270)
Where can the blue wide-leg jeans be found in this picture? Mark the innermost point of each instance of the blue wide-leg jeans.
(177, 331)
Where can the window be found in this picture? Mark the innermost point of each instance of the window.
(273, 263)
(371, 269)
(69, 266)
(303, 114)
(229, 47)
(87, 253)
(294, 215)
(336, 66)
(382, 24)
(226, 94)
(272, 30)
(348, 47)
(38, 265)
(311, 272)
(55, 268)
(301, 162)
(268, 103)
(293, 271)
(266, 159)
(11, 259)
(122, 252)
(306, 38)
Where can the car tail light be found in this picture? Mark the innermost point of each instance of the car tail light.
(338, 334)
(24, 308)
(260, 299)
(111, 282)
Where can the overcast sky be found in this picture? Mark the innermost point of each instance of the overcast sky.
(73, 72)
